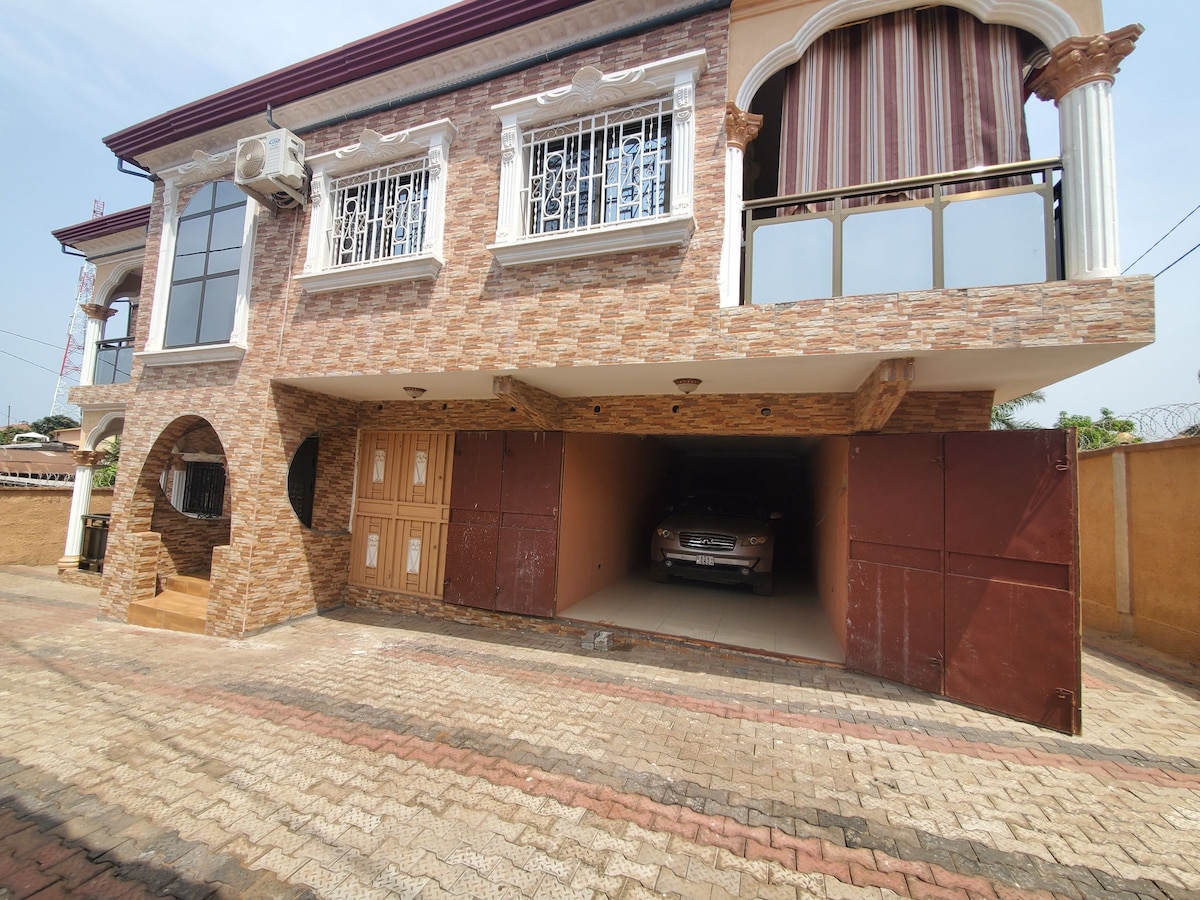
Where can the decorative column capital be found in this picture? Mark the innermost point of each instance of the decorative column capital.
(741, 127)
(1082, 60)
(98, 311)
(88, 458)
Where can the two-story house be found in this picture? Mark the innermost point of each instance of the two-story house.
(443, 320)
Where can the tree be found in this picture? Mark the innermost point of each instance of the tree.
(11, 431)
(106, 474)
(1004, 415)
(55, 422)
(1096, 434)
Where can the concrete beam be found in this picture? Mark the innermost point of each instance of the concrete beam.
(881, 392)
(541, 407)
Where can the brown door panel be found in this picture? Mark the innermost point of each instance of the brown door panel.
(525, 571)
(471, 564)
(1009, 649)
(894, 624)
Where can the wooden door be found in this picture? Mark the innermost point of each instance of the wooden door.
(401, 511)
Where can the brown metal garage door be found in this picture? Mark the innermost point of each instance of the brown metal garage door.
(504, 504)
(963, 573)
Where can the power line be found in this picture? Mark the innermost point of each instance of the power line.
(35, 365)
(1159, 241)
(1181, 259)
(26, 337)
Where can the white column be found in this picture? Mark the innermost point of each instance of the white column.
(1089, 182)
(81, 501)
(97, 315)
(731, 248)
(1078, 77)
(740, 129)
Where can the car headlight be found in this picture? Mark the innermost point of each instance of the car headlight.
(665, 533)
(754, 540)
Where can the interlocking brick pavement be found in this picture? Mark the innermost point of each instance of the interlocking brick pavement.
(368, 755)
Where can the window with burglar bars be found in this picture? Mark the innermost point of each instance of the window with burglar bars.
(601, 169)
(379, 214)
(204, 490)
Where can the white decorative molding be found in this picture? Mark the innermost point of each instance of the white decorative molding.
(374, 150)
(591, 89)
(162, 286)
(1044, 19)
(105, 427)
(186, 356)
(204, 167)
(405, 268)
(116, 268)
(673, 231)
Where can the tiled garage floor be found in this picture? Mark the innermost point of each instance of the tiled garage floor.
(791, 622)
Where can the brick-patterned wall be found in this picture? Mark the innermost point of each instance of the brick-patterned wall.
(620, 309)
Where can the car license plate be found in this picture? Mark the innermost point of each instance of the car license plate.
(705, 561)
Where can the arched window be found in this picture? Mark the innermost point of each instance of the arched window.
(204, 276)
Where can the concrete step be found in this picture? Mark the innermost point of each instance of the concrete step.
(195, 585)
(171, 610)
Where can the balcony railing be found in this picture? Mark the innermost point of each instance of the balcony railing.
(910, 234)
(113, 359)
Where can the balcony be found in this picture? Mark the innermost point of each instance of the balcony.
(996, 225)
(113, 359)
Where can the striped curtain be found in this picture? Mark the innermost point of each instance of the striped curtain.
(906, 94)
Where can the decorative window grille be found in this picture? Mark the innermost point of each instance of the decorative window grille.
(379, 214)
(601, 169)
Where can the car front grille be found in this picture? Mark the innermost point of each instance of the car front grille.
(707, 540)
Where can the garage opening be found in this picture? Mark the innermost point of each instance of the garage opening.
(619, 490)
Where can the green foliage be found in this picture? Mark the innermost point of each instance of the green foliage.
(11, 431)
(106, 474)
(47, 424)
(1096, 434)
(1004, 415)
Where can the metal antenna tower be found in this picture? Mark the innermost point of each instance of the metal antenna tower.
(68, 373)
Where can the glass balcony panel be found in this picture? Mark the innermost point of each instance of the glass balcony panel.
(113, 359)
(792, 260)
(995, 240)
(885, 251)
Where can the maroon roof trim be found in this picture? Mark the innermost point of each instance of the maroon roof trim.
(460, 24)
(138, 217)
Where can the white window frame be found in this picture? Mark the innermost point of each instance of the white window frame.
(375, 151)
(592, 91)
(202, 170)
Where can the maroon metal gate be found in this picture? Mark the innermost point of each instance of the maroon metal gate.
(502, 548)
(963, 576)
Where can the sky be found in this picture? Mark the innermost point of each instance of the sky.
(74, 71)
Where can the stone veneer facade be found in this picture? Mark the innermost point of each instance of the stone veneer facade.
(626, 309)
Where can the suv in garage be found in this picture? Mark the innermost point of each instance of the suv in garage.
(723, 538)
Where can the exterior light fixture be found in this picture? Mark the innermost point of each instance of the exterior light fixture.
(687, 385)
(414, 392)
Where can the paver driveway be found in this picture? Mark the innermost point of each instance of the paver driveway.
(362, 755)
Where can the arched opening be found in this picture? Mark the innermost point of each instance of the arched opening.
(179, 515)
(894, 156)
(114, 348)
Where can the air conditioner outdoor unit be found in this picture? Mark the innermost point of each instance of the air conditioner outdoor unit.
(272, 164)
